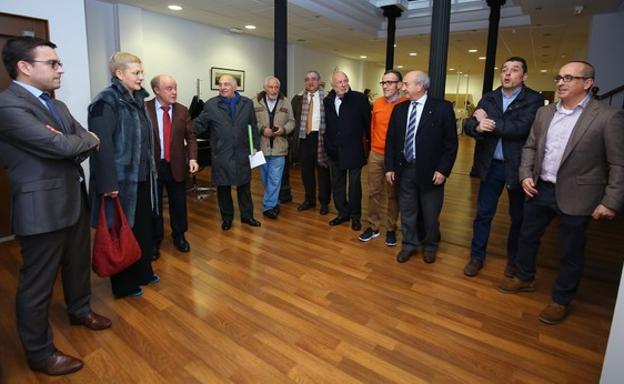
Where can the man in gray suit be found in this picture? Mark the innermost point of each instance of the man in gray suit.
(573, 168)
(42, 146)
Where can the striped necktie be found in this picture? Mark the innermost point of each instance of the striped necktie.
(410, 137)
(52, 108)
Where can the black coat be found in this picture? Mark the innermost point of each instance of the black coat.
(229, 139)
(513, 127)
(436, 140)
(347, 136)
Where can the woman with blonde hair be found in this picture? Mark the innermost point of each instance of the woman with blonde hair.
(124, 167)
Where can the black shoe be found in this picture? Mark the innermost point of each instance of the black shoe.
(181, 244)
(251, 221)
(368, 234)
(306, 205)
(430, 256)
(155, 252)
(473, 267)
(324, 209)
(391, 240)
(226, 225)
(277, 209)
(270, 213)
(338, 220)
(356, 225)
(286, 199)
(403, 256)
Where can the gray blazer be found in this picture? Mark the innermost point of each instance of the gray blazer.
(43, 167)
(592, 167)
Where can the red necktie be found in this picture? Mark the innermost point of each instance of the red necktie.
(166, 131)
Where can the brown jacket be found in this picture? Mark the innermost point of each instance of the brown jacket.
(592, 167)
(181, 129)
(284, 119)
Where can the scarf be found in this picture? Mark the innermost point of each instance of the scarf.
(231, 103)
(305, 108)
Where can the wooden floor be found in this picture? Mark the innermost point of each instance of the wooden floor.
(298, 301)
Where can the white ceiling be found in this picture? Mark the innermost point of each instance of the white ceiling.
(545, 32)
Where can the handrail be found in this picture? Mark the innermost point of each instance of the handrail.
(612, 92)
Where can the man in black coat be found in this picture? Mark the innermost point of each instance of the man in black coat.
(421, 146)
(500, 125)
(348, 118)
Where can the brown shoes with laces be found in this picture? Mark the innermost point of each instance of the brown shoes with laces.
(57, 364)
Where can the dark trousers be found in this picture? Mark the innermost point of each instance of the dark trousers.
(415, 202)
(538, 213)
(351, 208)
(42, 255)
(487, 201)
(226, 205)
(308, 158)
(139, 273)
(176, 195)
(285, 193)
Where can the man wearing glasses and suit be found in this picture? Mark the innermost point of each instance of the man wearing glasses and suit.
(572, 168)
(42, 146)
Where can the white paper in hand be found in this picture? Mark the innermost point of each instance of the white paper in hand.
(257, 159)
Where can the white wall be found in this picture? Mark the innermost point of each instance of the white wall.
(612, 368)
(68, 32)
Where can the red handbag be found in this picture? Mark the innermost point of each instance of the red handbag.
(116, 249)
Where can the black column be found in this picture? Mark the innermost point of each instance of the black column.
(391, 12)
(490, 56)
(438, 51)
(280, 48)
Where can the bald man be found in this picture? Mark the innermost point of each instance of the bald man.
(171, 126)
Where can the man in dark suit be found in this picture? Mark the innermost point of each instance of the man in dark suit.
(572, 168)
(172, 126)
(500, 126)
(421, 145)
(348, 117)
(42, 146)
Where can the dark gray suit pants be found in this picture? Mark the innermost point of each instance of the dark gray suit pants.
(42, 255)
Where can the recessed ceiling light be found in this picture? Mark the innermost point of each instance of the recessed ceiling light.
(236, 30)
(481, 57)
(495, 67)
(394, 45)
(174, 7)
(460, 72)
(413, 53)
(250, 26)
(400, 66)
(451, 69)
(473, 50)
(363, 57)
(544, 70)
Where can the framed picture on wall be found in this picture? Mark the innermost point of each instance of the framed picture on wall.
(216, 73)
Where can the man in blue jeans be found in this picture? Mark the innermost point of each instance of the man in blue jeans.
(500, 126)
(275, 121)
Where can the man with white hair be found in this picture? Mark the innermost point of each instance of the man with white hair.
(275, 121)
(421, 146)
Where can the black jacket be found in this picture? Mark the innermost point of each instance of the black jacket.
(513, 127)
(436, 140)
(347, 136)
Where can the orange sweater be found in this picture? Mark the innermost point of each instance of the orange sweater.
(382, 110)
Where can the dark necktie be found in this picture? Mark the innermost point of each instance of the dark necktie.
(166, 131)
(410, 137)
(55, 113)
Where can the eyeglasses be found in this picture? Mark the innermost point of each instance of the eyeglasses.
(568, 78)
(55, 64)
(382, 83)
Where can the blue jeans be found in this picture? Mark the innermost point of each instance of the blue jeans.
(271, 174)
(487, 201)
(539, 212)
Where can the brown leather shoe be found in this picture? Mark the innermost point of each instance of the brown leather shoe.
(516, 285)
(554, 313)
(473, 267)
(57, 364)
(93, 321)
(429, 256)
(510, 269)
(403, 256)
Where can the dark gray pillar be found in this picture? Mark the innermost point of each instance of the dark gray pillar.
(391, 12)
(280, 49)
(438, 51)
(490, 56)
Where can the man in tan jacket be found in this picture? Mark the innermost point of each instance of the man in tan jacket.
(572, 168)
(275, 121)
